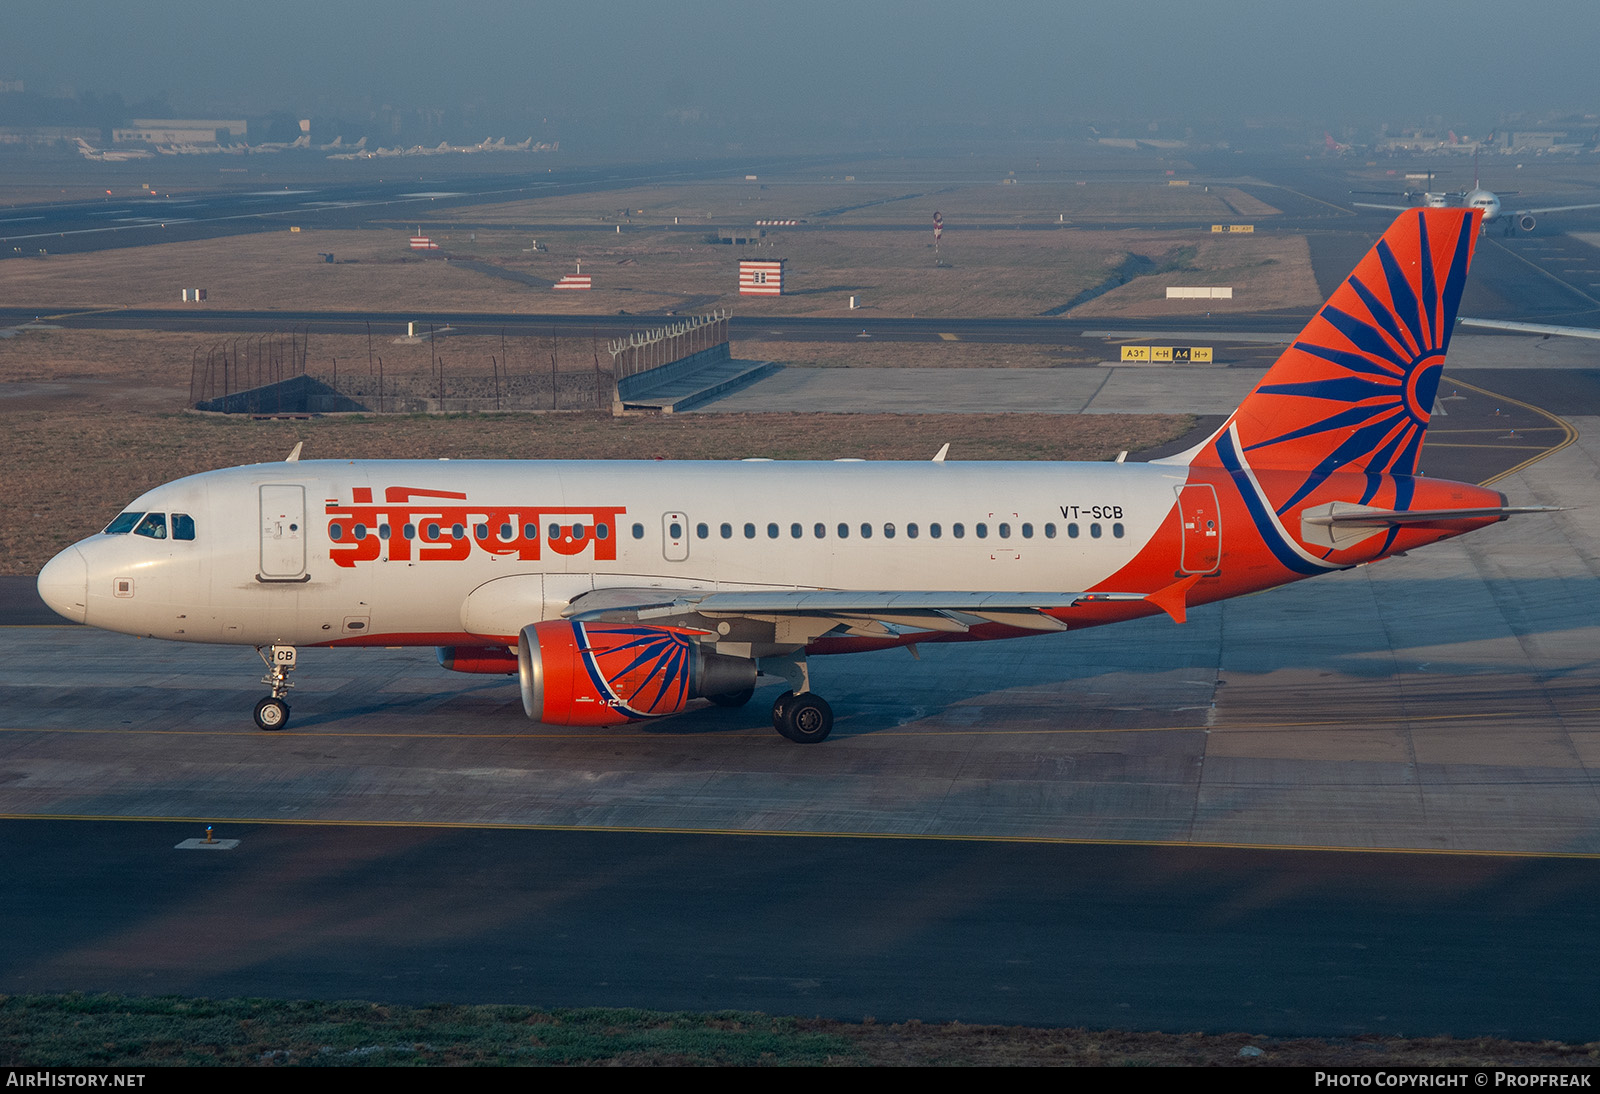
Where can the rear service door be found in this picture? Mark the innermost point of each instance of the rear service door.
(1202, 528)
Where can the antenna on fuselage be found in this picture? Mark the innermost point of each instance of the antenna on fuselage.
(939, 458)
(294, 456)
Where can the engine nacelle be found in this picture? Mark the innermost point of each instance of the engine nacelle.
(488, 660)
(1526, 222)
(600, 674)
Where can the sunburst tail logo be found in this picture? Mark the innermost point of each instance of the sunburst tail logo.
(1355, 391)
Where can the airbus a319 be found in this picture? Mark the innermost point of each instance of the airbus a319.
(624, 591)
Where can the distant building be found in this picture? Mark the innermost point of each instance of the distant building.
(764, 278)
(179, 131)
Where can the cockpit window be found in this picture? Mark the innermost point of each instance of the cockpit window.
(123, 524)
(183, 526)
(153, 525)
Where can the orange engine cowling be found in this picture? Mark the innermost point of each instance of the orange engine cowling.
(599, 674)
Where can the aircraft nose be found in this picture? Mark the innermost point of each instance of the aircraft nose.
(64, 585)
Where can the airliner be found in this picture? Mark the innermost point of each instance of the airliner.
(1486, 202)
(618, 592)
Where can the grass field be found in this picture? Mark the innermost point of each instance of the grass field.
(643, 270)
(130, 1032)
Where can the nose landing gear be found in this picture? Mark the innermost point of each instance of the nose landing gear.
(272, 712)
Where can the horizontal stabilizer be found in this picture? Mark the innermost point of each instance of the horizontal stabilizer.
(1340, 524)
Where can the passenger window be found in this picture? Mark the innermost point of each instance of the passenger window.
(911, 531)
(675, 530)
(458, 531)
(1117, 530)
(935, 531)
(1027, 531)
(1005, 531)
(123, 524)
(702, 531)
(506, 532)
(602, 531)
(749, 531)
(182, 526)
(844, 531)
(772, 531)
(981, 530)
(383, 529)
(638, 531)
(1072, 530)
(410, 532)
(361, 531)
(958, 530)
(1050, 531)
(888, 531)
(153, 525)
(726, 530)
(578, 531)
(1094, 531)
(820, 531)
(529, 531)
(866, 531)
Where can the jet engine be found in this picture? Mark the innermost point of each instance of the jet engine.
(598, 674)
(1525, 222)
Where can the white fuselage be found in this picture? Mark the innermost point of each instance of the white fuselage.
(378, 552)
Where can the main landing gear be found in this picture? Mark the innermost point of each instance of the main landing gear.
(805, 718)
(800, 714)
(272, 712)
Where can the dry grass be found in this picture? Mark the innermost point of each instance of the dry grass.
(1030, 198)
(894, 273)
(1267, 273)
(270, 271)
(941, 354)
(954, 1044)
(76, 1030)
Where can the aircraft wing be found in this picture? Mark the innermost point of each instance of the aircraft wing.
(1374, 205)
(1546, 329)
(1552, 209)
(806, 614)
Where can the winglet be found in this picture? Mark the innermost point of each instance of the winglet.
(1174, 599)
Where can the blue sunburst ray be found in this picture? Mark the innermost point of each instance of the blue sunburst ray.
(1353, 361)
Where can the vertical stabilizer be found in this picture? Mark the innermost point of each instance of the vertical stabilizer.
(1355, 391)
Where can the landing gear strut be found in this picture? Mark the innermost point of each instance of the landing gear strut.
(272, 712)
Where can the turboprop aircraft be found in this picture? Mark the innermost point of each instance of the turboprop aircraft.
(622, 591)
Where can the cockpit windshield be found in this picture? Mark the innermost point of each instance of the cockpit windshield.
(152, 525)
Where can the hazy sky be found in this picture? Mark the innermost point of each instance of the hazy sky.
(830, 60)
